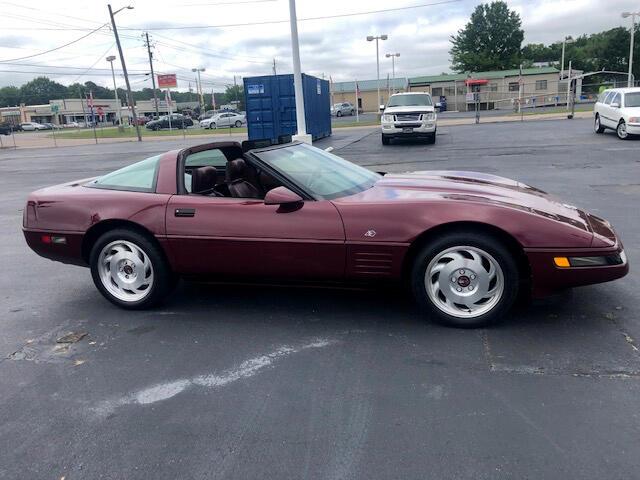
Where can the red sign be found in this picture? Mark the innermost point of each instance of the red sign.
(167, 81)
(100, 111)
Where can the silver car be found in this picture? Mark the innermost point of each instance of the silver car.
(224, 119)
(345, 108)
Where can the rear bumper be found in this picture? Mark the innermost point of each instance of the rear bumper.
(548, 278)
(69, 252)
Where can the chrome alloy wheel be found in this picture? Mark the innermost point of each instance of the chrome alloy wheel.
(622, 130)
(125, 271)
(464, 282)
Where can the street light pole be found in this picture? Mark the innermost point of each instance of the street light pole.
(124, 67)
(297, 76)
(393, 68)
(110, 59)
(567, 39)
(633, 31)
(199, 87)
(371, 38)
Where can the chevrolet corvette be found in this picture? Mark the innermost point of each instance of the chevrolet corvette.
(466, 244)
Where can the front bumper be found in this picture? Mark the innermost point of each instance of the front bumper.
(547, 277)
(633, 128)
(409, 129)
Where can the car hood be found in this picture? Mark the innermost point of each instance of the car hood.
(434, 186)
(409, 109)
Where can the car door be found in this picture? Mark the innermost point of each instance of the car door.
(244, 238)
(606, 111)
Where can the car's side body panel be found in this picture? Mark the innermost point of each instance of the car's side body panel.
(232, 237)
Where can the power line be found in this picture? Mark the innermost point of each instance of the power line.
(237, 2)
(56, 48)
(266, 22)
(94, 63)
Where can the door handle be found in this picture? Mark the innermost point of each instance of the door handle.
(185, 212)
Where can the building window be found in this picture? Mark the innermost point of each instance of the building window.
(541, 84)
(514, 87)
(449, 91)
(493, 87)
(436, 92)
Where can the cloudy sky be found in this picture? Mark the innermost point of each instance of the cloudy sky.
(213, 34)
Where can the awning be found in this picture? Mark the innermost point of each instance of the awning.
(475, 81)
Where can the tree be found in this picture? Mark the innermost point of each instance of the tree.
(40, 90)
(9, 96)
(490, 41)
(233, 93)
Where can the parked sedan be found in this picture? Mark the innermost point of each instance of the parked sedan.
(467, 244)
(340, 109)
(174, 120)
(619, 110)
(31, 126)
(226, 119)
(6, 128)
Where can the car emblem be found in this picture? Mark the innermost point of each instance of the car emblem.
(370, 233)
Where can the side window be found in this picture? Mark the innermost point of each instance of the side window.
(607, 99)
(616, 99)
(207, 158)
(602, 96)
(139, 177)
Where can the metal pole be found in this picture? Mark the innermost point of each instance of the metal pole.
(115, 89)
(126, 75)
(200, 87)
(633, 31)
(393, 72)
(564, 42)
(297, 72)
(377, 76)
(153, 77)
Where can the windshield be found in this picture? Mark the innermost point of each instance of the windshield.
(337, 105)
(419, 100)
(632, 99)
(322, 174)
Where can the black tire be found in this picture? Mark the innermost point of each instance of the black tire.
(385, 140)
(238, 124)
(164, 279)
(339, 113)
(485, 242)
(597, 126)
(432, 138)
(621, 130)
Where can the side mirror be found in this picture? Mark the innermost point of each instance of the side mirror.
(282, 196)
(615, 105)
(382, 108)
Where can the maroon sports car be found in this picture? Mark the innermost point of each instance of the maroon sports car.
(465, 243)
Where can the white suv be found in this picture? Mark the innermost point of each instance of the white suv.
(409, 115)
(618, 109)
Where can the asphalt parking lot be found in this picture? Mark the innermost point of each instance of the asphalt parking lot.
(255, 383)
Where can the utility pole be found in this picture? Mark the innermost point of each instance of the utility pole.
(153, 76)
(124, 69)
(199, 87)
(633, 31)
(274, 67)
(297, 76)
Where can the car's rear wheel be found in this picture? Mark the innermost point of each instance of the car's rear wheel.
(130, 270)
(238, 124)
(385, 140)
(622, 130)
(597, 126)
(465, 279)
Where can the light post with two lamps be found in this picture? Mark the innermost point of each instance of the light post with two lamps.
(371, 38)
(393, 69)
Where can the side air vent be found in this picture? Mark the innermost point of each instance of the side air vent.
(377, 264)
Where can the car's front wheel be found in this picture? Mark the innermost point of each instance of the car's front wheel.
(385, 140)
(597, 126)
(130, 270)
(339, 113)
(622, 130)
(465, 279)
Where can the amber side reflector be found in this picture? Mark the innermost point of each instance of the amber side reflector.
(562, 262)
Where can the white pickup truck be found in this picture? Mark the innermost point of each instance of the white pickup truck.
(409, 115)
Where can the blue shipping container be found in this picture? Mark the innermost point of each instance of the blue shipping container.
(271, 106)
